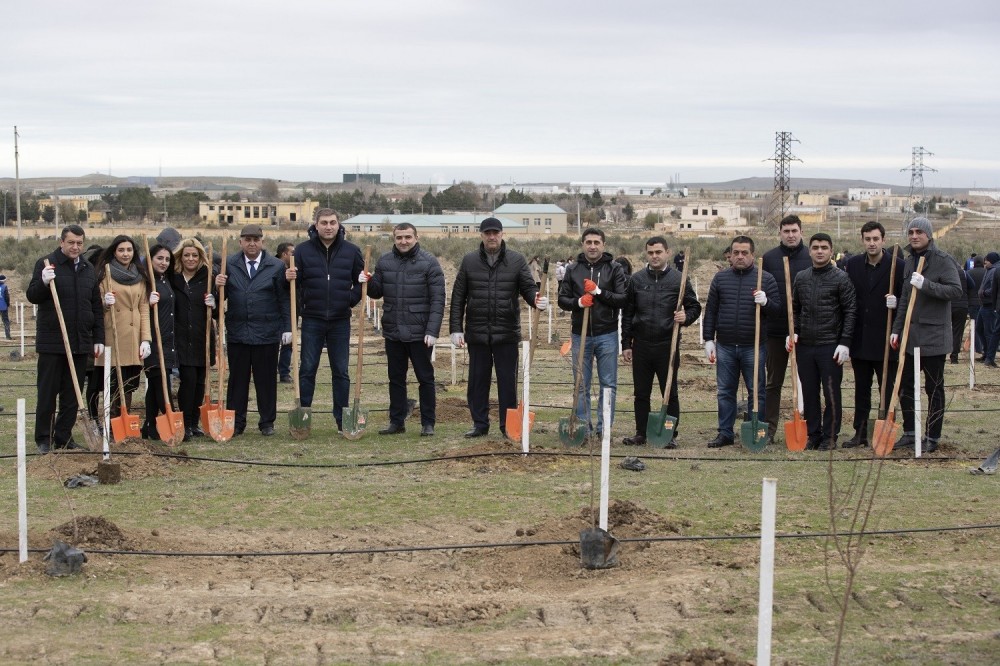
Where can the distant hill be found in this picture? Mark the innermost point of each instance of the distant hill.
(758, 184)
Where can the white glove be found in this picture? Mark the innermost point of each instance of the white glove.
(458, 339)
(48, 275)
(98, 350)
(841, 354)
(154, 297)
(760, 298)
(363, 277)
(286, 338)
(788, 342)
(109, 298)
(917, 280)
(210, 300)
(891, 301)
(430, 340)
(144, 350)
(710, 350)
(542, 302)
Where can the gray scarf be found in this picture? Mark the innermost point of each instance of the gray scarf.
(125, 276)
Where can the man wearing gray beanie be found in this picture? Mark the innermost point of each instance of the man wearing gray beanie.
(930, 328)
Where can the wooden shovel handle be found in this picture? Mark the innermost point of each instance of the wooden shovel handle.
(117, 352)
(361, 327)
(677, 328)
(156, 326)
(902, 341)
(222, 328)
(888, 332)
(208, 332)
(791, 334)
(295, 323)
(538, 315)
(65, 336)
(756, 339)
(579, 365)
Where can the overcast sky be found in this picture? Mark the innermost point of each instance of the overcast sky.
(451, 89)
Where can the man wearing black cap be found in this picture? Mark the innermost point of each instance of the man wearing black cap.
(257, 323)
(930, 329)
(486, 317)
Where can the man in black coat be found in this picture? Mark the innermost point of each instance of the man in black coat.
(976, 274)
(648, 320)
(258, 322)
(83, 312)
(485, 315)
(824, 304)
(411, 284)
(791, 246)
(869, 273)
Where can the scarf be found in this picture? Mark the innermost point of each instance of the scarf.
(125, 276)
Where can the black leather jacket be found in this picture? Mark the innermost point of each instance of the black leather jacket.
(610, 278)
(825, 306)
(651, 299)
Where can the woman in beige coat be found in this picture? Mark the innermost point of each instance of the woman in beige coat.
(126, 307)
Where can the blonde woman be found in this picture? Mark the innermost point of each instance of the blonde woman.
(192, 296)
(126, 307)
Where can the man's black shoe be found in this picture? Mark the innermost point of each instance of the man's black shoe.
(635, 440)
(812, 445)
(477, 432)
(236, 431)
(73, 446)
(43, 447)
(721, 441)
(427, 431)
(990, 364)
(954, 360)
(905, 442)
(187, 435)
(198, 432)
(267, 430)
(286, 380)
(860, 439)
(827, 445)
(393, 429)
(929, 445)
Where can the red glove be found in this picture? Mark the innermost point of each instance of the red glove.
(586, 301)
(589, 286)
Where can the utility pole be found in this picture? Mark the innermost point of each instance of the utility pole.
(17, 185)
(782, 159)
(916, 169)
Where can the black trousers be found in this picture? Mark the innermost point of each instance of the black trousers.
(130, 378)
(933, 370)
(156, 403)
(95, 386)
(864, 370)
(259, 361)
(482, 359)
(398, 355)
(651, 359)
(53, 426)
(958, 319)
(819, 371)
(775, 366)
(191, 393)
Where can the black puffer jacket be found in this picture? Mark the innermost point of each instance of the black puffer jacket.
(825, 306)
(412, 286)
(798, 260)
(651, 298)
(165, 310)
(81, 301)
(610, 278)
(190, 320)
(484, 299)
(730, 314)
(327, 279)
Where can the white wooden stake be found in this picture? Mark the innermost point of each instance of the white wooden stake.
(917, 405)
(765, 602)
(22, 485)
(454, 374)
(605, 457)
(551, 306)
(22, 328)
(525, 398)
(972, 355)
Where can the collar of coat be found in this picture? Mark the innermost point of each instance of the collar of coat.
(409, 254)
(500, 255)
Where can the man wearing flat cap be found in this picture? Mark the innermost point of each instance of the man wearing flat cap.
(930, 329)
(485, 316)
(258, 322)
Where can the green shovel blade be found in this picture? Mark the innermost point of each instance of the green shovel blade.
(355, 421)
(571, 431)
(660, 429)
(753, 434)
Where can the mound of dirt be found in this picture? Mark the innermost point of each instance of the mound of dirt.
(454, 409)
(704, 657)
(93, 532)
(497, 455)
(137, 464)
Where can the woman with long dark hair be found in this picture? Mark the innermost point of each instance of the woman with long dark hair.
(193, 295)
(126, 308)
(161, 267)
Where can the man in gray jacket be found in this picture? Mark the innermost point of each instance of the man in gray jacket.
(411, 284)
(930, 329)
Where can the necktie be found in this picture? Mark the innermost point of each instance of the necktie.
(253, 269)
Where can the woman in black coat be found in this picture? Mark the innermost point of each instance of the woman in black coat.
(162, 268)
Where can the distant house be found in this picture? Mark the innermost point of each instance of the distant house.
(709, 217)
(536, 218)
(867, 193)
(275, 213)
(85, 193)
(215, 191)
(430, 225)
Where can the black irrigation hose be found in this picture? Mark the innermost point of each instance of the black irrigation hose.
(517, 544)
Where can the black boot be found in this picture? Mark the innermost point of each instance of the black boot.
(860, 439)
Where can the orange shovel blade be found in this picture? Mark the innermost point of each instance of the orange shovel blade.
(796, 435)
(884, 436)
(221, 423)
(170, 427)
(514, 419)
(124, 426)
(565, 349)
(206, 409)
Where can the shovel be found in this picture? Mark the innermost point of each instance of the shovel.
(885, 433)
(885, 356)
(299, 418)
(356, 417)
(572, 433)
(515, 417)
(91, 431)
(661, 427)
(796, 434)
(221, 421)
(124, 425)
(752, 435)
(169, 426)
(207, 405)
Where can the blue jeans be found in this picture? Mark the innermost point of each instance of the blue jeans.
(605, 349)
(988, 318)
(335, 335)
(732, 362)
